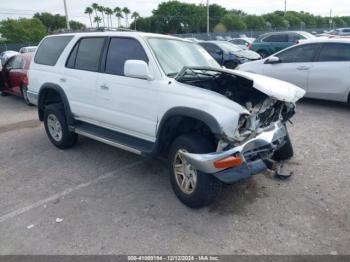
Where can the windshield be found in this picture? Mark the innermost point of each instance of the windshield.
(174, 54)
(228, 47)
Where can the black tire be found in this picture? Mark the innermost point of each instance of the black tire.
(207, 187)
(24, 90)
(263, 53)
(4, 94)
(285, 152)
(67, 138)
(230, 65)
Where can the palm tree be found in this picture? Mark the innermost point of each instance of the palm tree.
(97, 20)
(135, 16)
(95, 7)
(109, 13)
(88, 10)
(101, 9)
(126, 11)
(118, 14)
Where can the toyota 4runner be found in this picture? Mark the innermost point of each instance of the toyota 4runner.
(160, 95)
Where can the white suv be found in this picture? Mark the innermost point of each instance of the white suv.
(160, 95)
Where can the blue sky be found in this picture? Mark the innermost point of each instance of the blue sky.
(26, 8)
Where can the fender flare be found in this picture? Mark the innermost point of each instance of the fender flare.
(203, 116)
(60, 91)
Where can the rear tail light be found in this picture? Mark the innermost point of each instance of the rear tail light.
(250, 46)
(25, 81)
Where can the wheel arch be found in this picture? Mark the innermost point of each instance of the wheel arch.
(50, 93)
(194, 119)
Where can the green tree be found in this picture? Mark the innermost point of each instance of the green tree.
(97, 20)
(126, 12)
(254, 22)
(118, 14)
(95, 7)
(51, 22)
(109, 13)
(101, 9)
(89, 11)
(233, 22)
(75, 25)
(22, 30)
(135, 16)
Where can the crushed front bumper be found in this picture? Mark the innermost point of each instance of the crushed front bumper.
(253, 152)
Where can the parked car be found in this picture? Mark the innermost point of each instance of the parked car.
(4, 56)
(28, 49)
(228, 54)
(243, 42)
(270, 43)
(340, 32)
(153, 94)
(320, 66)
(13, 76)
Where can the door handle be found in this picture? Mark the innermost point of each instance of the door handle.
(104, 87)
(63, 80)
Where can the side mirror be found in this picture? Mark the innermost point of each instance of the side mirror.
(137, 69)
(272, 60)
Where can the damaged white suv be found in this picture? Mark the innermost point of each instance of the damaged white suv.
(159, 95)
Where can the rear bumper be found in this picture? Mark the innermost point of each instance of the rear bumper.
(253, 152)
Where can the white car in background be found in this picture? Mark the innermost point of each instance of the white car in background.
(28, 49)
(320, 66)
(243, 42)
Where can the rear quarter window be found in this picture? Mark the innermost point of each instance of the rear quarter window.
(50, 49)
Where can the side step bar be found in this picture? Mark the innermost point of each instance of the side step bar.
(131, 144)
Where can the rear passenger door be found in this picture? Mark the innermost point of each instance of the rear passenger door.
(329, 76)
(126, 104)
(80, 78)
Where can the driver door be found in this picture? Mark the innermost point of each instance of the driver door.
(294, 65)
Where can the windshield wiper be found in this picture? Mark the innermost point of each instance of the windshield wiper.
(172, 74)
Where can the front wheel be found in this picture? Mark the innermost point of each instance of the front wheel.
(194, 188)
(56, 127)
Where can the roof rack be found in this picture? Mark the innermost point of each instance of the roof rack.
(96, 29)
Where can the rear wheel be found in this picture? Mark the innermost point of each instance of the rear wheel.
(24, 91)
(56, 127)
(194, 188)
(4, 94)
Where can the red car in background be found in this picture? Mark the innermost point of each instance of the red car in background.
(13, 76)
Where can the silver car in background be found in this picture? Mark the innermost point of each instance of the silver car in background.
(320, 66)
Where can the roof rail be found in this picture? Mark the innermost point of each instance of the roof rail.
(96, 29)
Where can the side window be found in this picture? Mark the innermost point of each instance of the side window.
(334, 52)
(278, 38)
(210, 47)
(50, 50)
(120, 50)
(88, 53)
(72, 57)
(346, 30)
(298, 54)
(295, 37)
(16, 62)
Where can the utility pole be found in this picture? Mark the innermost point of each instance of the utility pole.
(208, 18)
(66, 12)
(330, 20)
(285, 7)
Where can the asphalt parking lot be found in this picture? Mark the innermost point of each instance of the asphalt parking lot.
(108, 201)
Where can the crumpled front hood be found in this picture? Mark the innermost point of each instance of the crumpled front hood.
(275, 88)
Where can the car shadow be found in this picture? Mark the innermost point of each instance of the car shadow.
(324, 103)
